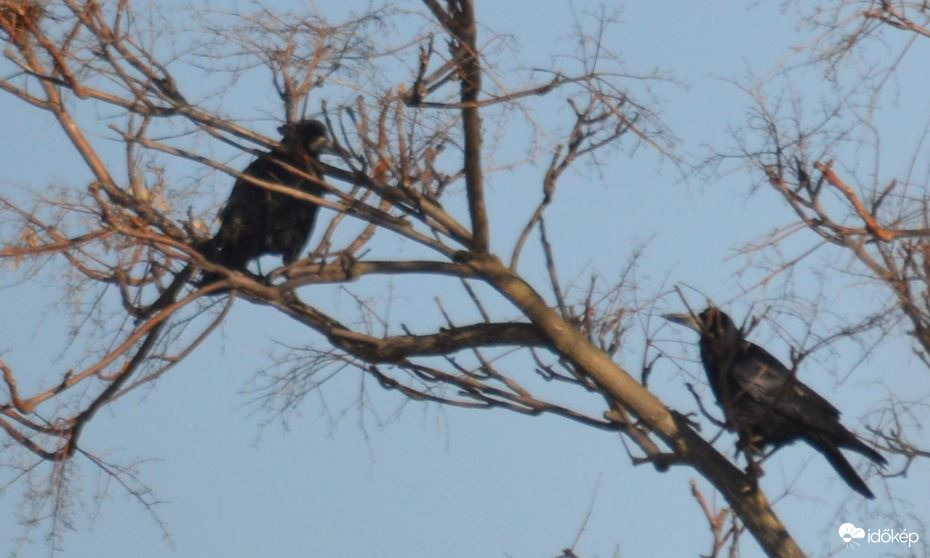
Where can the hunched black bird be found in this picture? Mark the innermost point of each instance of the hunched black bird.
(765, 402)
(256, 220)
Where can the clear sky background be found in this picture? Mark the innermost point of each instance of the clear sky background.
(418, 480)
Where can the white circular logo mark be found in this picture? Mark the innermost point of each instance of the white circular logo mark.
(848, 532)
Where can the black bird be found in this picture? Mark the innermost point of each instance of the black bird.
(255, 220)
(765, 402)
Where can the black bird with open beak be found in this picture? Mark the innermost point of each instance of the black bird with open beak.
(763, 400)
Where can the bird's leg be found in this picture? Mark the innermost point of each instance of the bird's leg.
(753, 470)
(747, 443)
(262, 278)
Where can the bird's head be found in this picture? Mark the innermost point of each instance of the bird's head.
(306, 135)
(713, 324)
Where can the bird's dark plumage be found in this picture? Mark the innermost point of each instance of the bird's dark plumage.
(256, 220)
(764, 400)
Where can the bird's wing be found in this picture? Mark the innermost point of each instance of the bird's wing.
(260, 207)
(290, 211)
(246, 198)
(768, 380)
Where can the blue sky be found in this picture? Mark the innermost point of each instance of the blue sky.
(415, 479)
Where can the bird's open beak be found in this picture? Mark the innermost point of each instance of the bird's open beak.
(686, 320)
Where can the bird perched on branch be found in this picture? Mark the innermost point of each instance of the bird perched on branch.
(764, 401)
(257, 220)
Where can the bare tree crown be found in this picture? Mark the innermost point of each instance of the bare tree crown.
(414, 116)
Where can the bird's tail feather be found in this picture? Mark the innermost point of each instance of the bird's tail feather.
(858, 446)
(842, 466)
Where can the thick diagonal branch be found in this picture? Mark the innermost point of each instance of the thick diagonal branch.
(747, 500)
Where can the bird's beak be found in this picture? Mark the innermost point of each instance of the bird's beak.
(686, 320)
(332, 149)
